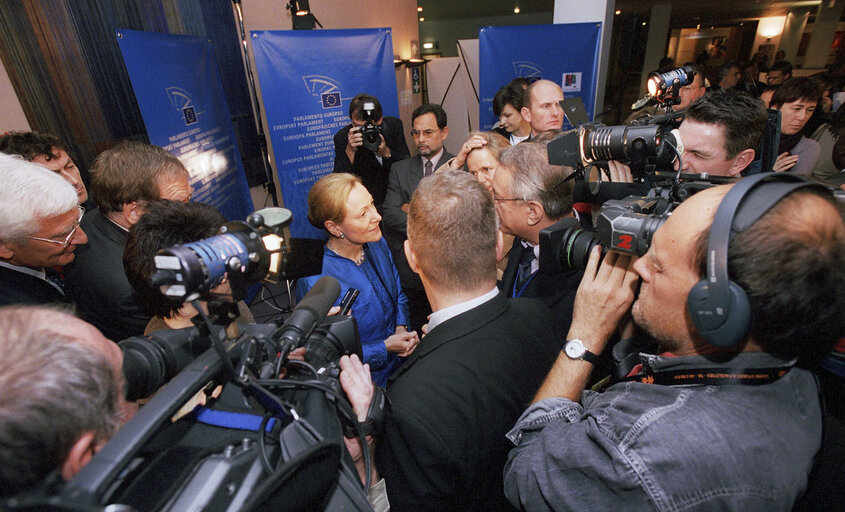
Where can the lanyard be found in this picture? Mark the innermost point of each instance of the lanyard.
(518, 293)
(711, 376)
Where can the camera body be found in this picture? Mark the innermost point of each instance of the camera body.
(371, 130)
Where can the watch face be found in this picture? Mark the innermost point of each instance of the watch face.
(574, 349)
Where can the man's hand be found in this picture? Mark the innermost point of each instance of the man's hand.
(619, 172)
(475, 142)
(602, 300)
(604, 296)
(358, 385)
(355, 140)
(383, 150)
(784, 162)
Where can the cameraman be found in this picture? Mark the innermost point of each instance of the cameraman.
(720, 132)
(62, 399)
(660, 440)
(372, 167)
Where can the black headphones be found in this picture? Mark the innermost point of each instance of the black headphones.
(719, 307)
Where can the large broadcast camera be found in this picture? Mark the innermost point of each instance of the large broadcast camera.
(371, 129)
(267, 433)
(630, 213)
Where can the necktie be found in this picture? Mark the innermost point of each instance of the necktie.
(428, 167)
(524, 270)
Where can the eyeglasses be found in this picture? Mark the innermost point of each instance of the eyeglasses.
(427, 133)
(68, 238)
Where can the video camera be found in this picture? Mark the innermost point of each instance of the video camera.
(268, 434)
(371, 130)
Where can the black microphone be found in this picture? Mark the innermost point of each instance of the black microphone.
(606, 191)
(310, 311)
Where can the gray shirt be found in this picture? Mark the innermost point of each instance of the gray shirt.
(650, 447)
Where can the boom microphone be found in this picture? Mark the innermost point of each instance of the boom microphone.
(310, 311)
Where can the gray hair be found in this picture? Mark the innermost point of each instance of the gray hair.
(54, 390)
(534, 179)
(28, 193)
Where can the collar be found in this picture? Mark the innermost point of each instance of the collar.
(535, 263)
(434, 160)
(440, 316)
(37, 273)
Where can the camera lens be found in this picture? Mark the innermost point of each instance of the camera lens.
(575, 248)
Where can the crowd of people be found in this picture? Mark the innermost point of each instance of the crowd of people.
(664, 381)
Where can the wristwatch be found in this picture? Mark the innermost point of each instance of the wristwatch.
(574, 349)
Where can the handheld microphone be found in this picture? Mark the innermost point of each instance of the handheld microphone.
(310, 311)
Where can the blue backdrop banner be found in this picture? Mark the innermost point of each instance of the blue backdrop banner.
(177, 84)
(567, 54)
(307, 79)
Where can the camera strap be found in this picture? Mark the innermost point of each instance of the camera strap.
(710, 376)
(232, 420)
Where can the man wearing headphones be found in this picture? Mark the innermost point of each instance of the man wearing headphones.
(724, 417)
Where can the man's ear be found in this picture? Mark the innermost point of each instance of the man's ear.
(132, 212)
(534, 212)
(6, 252)
(411, 257)
(741, 161)
(445, 132)
(526, 114)
(81, 452)
(500, 245)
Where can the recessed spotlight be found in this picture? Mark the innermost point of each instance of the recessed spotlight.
(643, 23)
(422, 19)
(516, 10)
(618, 12)
(419, 9)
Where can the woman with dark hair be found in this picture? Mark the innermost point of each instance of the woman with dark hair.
(796, 99)
(507, 105)
(358, 257)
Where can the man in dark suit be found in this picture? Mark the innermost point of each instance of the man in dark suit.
(39, 231)
(429, 131)
(457, 395)
(350, 154)
(530, 196)
(124, 179)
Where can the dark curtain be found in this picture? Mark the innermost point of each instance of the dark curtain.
(66, 68)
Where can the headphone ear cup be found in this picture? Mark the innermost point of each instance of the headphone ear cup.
(710, 320)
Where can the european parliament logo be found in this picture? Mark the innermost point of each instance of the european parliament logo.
(190, 115)
(330, 99)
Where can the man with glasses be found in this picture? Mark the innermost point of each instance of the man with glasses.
(530, 195)
(124, 180)
(779, 73)
(372, 167)
(429, 131)
(39, 232)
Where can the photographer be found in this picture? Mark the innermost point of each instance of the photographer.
(352, 156)
(720, 132)
(692, 427)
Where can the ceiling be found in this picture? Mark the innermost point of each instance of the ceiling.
(685, 13)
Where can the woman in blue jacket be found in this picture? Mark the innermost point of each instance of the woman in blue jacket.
(357, 256)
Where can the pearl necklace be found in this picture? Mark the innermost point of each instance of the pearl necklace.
(358, 262)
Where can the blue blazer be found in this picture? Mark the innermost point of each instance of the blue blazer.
(373, 325)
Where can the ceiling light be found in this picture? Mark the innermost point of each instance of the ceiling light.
(618, 12)
(422, 19)
(516, 10)
(419, 9)
(428, 46)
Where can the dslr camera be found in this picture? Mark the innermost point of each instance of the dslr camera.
(371, 130)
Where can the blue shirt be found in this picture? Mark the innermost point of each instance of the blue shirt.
(643, 446)
(374, 326)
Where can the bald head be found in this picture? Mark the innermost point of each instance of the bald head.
(542, 107)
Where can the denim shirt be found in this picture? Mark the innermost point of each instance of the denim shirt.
(650, 447)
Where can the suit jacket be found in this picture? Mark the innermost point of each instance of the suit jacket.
(404, 178)
(21, 288)
(555, 290)
(366, 166)
(97, 282)
(453, 400)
